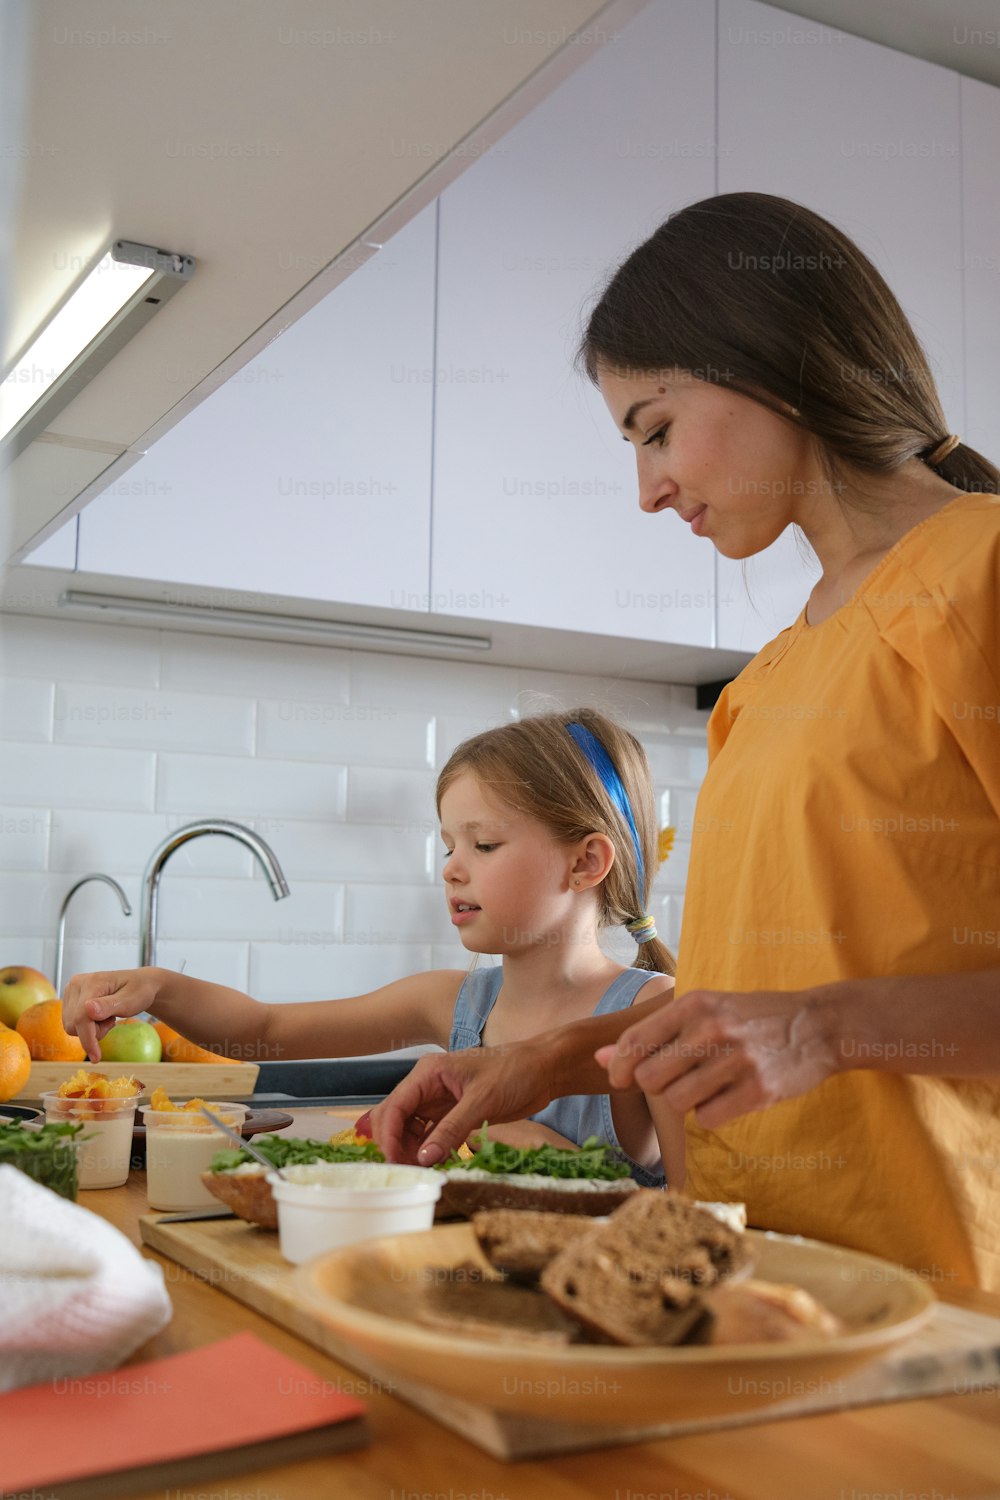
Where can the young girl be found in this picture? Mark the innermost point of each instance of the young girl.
(550, 835)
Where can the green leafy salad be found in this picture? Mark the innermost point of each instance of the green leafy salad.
(594, 1159)
(287, 1151)
(47, 1155)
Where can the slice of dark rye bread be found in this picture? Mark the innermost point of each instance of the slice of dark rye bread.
(521, 1241)
(466, 1193)
(636, 1280)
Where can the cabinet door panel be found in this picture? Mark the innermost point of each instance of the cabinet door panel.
(308, 473)
(535, 515)
(869, 138)
(981, 265)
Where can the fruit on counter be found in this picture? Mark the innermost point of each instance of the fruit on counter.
(46, 1154)
(15, 1063)
(131, 1041)
(177, 1048)
(42, 1028)
(21, 987)
(84, 1084)
(160, 1100)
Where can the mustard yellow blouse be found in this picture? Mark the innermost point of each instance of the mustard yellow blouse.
(849, 826)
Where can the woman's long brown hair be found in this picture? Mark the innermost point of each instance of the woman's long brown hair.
(753, 292)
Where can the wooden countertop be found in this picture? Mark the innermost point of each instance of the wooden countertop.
(947, 1447)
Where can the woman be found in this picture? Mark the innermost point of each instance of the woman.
(842, 910)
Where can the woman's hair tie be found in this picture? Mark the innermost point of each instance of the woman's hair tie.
(643, 929)
(941, 450)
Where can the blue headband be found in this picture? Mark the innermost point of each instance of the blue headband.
(612, 784)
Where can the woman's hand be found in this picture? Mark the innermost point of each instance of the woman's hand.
(92, 1003)
(723, 1054)
(448, 1095)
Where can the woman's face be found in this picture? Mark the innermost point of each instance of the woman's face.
(736, 472)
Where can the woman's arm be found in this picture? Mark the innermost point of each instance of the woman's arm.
(725, 1054)
(443, 1098)
(407, 1012)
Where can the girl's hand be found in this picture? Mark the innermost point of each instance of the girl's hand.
(723, 1054)
(92, 1003)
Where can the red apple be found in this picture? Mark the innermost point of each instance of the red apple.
(19, 988)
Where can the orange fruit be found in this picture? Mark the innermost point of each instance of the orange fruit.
(15, 1063)
(177, 1048)
(42, 1028)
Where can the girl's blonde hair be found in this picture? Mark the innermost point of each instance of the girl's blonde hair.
(537, 767)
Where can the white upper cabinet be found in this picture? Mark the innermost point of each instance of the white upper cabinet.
(535, 512)
(308, 473)
(981, 265)
(869, 138)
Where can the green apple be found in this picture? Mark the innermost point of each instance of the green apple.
(132, 1042)
(19, 989)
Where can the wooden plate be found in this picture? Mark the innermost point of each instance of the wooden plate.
(366, 1293)
(222, 1080)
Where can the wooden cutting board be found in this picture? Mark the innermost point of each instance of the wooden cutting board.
(958, 1350)
(182, 1080)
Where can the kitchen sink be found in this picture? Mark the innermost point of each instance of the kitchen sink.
(327, 1081)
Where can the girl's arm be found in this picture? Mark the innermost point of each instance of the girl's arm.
(523, 1133)
(727, 1054)
(406, 1013)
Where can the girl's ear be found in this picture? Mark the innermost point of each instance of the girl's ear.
(592, 858)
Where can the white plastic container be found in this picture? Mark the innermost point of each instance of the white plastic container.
(180, 1144)
(104, 1155)
(326, 1204)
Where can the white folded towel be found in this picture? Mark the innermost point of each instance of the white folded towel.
(75, 1295)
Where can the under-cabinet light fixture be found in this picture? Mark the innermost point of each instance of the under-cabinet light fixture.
(247, 622)
(126, 287)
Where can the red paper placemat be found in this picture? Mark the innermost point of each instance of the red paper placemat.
(230, 1395)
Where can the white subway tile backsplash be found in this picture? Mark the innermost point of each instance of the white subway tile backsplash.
(92, 714)
(226, 786)
(219, 963)
(17, 951)
(220, 664)
(57, 650)
(24, 837)
(120, 844)
(416, 682)
(636, 703)
(678, 764)
(110, 738)
(241, 909)
(77, 776)
(348, 851)
(25, 709)
(369, 734)
(330, 971)
(395, 913)
(403, 798)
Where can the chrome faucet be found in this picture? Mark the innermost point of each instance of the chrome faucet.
(61, 934)
(151, 878)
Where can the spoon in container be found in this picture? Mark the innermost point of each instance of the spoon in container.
(239, 1141)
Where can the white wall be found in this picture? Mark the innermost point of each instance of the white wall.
(111, 736)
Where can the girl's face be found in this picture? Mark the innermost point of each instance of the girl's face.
(736, 472)
(507, 878)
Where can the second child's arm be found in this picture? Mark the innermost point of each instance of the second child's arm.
(406, 1013)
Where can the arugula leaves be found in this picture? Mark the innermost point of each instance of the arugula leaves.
(594, 1159)
(47, 1155)
(288, 1151)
